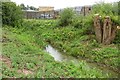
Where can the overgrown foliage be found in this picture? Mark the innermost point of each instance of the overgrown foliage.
(11, 14)
(103, 9)
(107, 9)
(77, 42)
(29, 40)
(28, 60)
(66, 17)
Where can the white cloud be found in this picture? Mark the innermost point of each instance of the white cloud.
(59, 3)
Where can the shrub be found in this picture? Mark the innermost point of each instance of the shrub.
(88, 25)
(77, 21)
(112, 10)
(66, 17)
(117, 38)
(102, 8)
(107, 9)
(11, 14)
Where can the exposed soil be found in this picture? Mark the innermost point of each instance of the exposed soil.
(8, 62)
(25, 71)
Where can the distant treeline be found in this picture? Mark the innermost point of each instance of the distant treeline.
(23, 7)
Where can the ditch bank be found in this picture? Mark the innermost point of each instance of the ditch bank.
(58, 56)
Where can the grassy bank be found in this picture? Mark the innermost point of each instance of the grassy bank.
(24, 55)
(73, 41)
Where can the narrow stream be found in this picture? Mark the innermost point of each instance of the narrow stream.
(61, 57)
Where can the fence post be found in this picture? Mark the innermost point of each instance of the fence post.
(98, 28)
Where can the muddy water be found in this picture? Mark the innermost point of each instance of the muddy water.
(61, 57)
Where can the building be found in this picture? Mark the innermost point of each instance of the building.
(48, 12)
(46, 8)
(31, 14)
(80, 10)
(43, 12)
(86, 10)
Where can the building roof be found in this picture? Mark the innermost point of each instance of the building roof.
(30, 11)
(46, 8)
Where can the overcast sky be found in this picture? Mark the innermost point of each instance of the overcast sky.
(57, 4)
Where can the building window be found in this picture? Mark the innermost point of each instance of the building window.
(89, 9)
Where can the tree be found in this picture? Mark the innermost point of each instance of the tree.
(105, 25)
(66, 17)
(11, 14)
(23, 6)
(32, 8)
(28, 7)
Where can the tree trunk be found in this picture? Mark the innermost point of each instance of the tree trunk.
(105, 34)
(98, 28)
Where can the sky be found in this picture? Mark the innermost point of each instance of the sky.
(58, 4)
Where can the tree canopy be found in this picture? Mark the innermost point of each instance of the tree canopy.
(11, 14)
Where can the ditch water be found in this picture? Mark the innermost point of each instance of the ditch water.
(61, 57)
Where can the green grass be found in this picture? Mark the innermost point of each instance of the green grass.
(24, 46)
(73, 41)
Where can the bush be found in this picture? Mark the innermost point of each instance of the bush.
(11, 14)
(117, 38)
(66, 17)
(107, 9)
(102, 8)
(112, 10)
(88, 25)
(77, 21)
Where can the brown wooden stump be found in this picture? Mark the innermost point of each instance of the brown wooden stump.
(98, 27)
(107, 30)
(105, 34)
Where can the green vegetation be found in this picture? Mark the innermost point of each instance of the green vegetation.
(66, 17)
(29, 41)
(72, 41)
(24, 55)
(11, 14)
(24, 58)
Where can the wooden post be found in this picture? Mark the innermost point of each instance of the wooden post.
(105, 34)
(98, 28)
(107, 30)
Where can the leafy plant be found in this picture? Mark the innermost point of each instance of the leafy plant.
(11, 14)
(66, 17)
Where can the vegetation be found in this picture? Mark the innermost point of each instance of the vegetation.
(112, 10)
(23, 47)
(11, 14)
(25, 59)
(66, 17)
(107, 9)
(23, 7)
